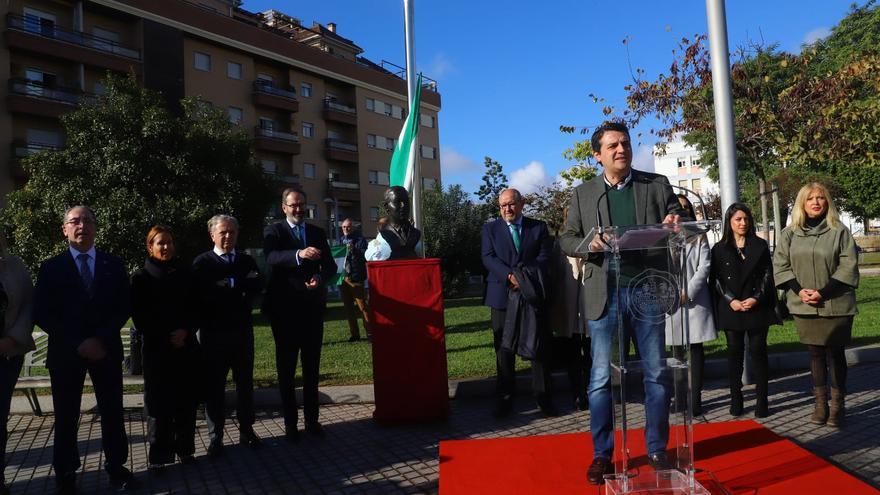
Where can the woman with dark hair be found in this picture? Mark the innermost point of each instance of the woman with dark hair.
(816, 260)
(16, 304)
(701, 321)
(745, 302)
(162, 312)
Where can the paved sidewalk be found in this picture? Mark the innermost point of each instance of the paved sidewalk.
(359, 457)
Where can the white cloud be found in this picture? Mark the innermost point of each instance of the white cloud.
(529, 178)
(816, 35)
(440, 66)
(453, 161)
(644, 158)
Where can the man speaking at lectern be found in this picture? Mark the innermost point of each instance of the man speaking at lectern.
(620, 196)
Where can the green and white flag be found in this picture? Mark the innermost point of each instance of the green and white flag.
(403, 161)
(338, 253)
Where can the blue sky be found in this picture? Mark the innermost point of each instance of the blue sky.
(511, 72)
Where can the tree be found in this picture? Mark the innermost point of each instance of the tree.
(584, 168)
(137, 164)
(494, 181)
(453, 234)
(548, 204)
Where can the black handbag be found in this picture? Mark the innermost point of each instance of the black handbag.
(781, 308)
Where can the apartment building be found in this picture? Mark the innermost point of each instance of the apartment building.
(323, 117)
(683, 166)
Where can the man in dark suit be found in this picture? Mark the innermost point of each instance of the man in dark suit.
(352, 288)
(624, 197)
(81, 302)
(295, 301)
(226, 282)
(509, 242)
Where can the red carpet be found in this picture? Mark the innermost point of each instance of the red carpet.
(743, 456)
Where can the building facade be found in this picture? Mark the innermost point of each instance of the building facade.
(324, 119)
(682, 165)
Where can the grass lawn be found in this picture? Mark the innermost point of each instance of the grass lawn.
(469, 341)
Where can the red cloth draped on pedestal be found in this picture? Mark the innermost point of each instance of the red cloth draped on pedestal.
(409, 345)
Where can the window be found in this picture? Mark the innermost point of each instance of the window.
(371, 104)
(40, 136)
(48, 81)
(682, 163)
(334, 175)
(683, 183)
(374, 213)
(377, 177)
(309, 170)
(331, 96)
(334, 135)
(267, 124)
(695, 162)
(396, 112)
(308, 130)
(305, 90)
(202, 61)
(269, 166)
(428, 152)
(265, 78)
(233, 70)
(99, 89)
(696, 185)
(371, 140)
(313, 211)
(389, 143)
(426, 120)
(104, 38)
(235, 115)
(428, 183)
(388, 109)
(36, 21)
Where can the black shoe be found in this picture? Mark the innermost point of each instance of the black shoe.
(762, 409)
(736, 404)
(598, 469)
(66, 484)
(215, 449)
(122, 479)
(315, 429)
(250, 438)
(291, 435)
(581, 404)
(187, 459)
(547, 408)
(503, 407)
(659, 461)
(354, 338)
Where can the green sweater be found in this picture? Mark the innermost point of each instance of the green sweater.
(622, 207)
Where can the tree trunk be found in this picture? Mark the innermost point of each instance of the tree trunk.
(762, 188)
(777, 213)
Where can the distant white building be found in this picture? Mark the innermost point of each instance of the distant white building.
(682, 165)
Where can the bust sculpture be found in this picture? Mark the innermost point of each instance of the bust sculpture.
(399, 233)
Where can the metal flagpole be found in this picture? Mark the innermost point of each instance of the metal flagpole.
(411, 81)
(724, 129)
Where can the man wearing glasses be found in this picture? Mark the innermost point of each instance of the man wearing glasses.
(82, 302)
(296, 297)
(352, 288)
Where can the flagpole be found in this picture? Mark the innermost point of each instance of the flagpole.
(411, 81)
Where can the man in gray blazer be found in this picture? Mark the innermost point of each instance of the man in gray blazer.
(624, 197)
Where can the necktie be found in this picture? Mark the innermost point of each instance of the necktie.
(85, 272)
(514, 232)
(297, 234)
(228, 258)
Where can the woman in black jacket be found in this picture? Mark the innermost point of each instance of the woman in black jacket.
(162, 312)
(745, 299)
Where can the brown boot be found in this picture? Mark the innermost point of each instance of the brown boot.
(837, 411)
(820, 410)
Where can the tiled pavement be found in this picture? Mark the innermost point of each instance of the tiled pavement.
(358, 456)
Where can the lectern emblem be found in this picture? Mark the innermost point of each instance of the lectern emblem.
(653, 295)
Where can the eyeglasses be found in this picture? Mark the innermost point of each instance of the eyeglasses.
(346, 227)
(509, 205)
(295, 205)
(80, 221)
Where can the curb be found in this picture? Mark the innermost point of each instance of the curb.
(266, 398)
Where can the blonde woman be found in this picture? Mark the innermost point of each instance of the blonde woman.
(816, 261)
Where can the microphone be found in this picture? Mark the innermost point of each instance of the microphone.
(599, 201)
(646, 179)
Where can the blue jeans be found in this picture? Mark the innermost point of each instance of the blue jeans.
(650, 339)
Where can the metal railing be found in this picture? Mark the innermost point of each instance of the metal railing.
(35, 25)
(37, 89)
(335, 105)
(338, 184)
(427, 82)
(267, 87)
(337, 144)
(274, 134)
(21, 149)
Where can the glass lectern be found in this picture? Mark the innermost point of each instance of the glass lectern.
(647, 288)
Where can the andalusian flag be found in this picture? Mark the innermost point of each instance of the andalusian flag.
(338, 253)
(403, 161)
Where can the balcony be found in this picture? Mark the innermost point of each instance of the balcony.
(37, 98)
(24, 149)
(338, 112)
(267, 95)
(342, 151)
(35, 35)
(267, 139)
(344, 191)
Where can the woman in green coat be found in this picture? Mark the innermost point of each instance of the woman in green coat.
(816, 261)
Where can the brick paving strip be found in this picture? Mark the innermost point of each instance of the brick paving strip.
(358, 456)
